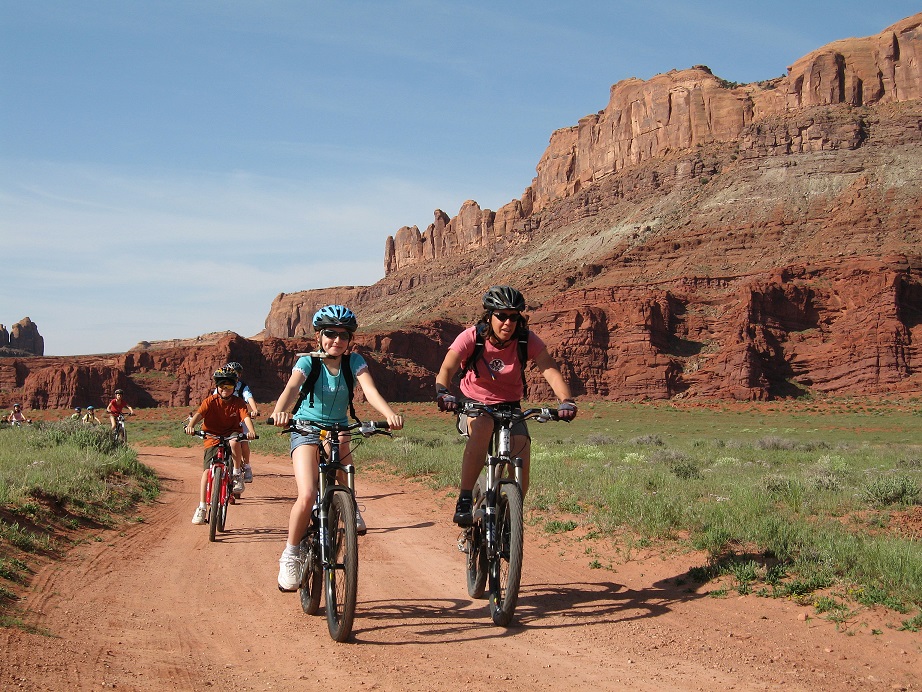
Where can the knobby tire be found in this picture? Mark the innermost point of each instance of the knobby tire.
(215, 503)
(341, 576)
(311, 577)
(476, 550)
(506, 566)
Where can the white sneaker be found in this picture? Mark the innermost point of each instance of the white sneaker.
(238, 484)
(360, 528)
(199, 516)
(289, 572)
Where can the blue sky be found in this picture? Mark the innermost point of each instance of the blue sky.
(168, 167)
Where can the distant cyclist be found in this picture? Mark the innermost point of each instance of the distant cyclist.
(16, 416)
(77, 414)
(90, 416)
(116, 408)
(244, 392)
(328, 402)
(494, 374)
(221, 414)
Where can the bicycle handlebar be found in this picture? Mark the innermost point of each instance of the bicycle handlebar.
(366, 428)
(542, 415)
(239, 437)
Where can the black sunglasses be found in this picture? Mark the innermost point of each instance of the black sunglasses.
(507, 316)
(333, 334)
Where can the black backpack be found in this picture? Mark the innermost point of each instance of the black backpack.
(477, 355)
(307, 389)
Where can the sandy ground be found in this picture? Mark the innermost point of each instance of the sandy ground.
(155, 605)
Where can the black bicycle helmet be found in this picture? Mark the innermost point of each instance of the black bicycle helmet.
(225, 374)
(335, 316)
(503, 298)
(236, 367)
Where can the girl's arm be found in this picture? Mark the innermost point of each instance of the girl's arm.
(281, 415)
(373, 397)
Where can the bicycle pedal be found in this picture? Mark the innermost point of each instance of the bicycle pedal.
(232, 500)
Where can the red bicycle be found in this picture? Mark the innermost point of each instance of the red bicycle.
(219, 489)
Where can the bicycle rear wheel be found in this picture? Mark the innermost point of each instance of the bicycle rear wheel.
(476, 562)
(311, 577)
(225, 501)
(506, 564)
(475, 549)
(342, 574)
(215, 502)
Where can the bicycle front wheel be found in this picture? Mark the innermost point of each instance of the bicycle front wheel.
(121, 435)
(311, 577)
(215, 503)
(506, 562)
(342, 573)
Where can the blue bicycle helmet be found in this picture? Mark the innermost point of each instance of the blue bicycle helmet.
(335, 316)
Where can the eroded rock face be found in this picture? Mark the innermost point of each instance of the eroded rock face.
(693, 239)
(684, 109)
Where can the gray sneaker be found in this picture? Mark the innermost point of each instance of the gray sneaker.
(238, 484)
(247, 474)
(360, 527)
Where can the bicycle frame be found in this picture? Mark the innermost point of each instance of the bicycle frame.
(499, 506)
(218, 498)
(329, 547)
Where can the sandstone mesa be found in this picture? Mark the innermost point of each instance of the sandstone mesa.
(695, 238)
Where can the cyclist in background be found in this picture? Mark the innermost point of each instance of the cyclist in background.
(243, 391)
(496, 377)
(16, 417)
(221, 414)
(116, 407)
(77, 414)
(90, 416)
(335, 326)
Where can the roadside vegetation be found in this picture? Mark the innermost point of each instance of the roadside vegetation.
(55, 478)
(815, 501)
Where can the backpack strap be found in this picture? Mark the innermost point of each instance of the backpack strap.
(307, 389)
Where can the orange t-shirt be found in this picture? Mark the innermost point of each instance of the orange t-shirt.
(222, 416)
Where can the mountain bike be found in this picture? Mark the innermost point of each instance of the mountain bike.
(218, 489)
(329, 547)
(119, 433)
(493, 543)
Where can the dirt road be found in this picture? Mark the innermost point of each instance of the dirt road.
(155, 606)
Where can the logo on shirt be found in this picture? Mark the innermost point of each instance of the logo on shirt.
(497, 365)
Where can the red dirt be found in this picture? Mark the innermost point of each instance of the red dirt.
(155, 606)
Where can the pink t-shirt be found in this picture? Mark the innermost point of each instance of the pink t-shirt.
(497, 377)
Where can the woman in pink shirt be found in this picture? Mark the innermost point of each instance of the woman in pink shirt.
(494, 375)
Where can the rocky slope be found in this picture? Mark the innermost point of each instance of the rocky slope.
(693, 238)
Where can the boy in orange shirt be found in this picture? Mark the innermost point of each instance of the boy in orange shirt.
(221, 414)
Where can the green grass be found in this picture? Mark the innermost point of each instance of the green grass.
(56, 477)
(785, 500)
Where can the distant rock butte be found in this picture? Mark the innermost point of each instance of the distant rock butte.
(693, 239)
(22, 338)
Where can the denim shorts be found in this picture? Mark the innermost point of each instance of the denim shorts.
(311, 438)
